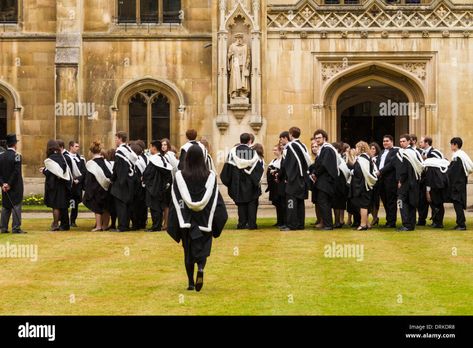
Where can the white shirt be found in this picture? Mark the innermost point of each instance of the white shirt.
(383, 158)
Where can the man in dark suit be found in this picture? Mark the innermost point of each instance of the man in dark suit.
(386, 163)
(11, 181)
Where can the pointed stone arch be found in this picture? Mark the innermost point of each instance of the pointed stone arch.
(119, 108)
(14, 109)
(326, 113)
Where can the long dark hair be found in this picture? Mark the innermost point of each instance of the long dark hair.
(52, 147)
(194, 165)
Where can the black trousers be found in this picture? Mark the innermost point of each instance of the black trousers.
(388, 195)
(408, 212)
(295, 213)
(281, 211)
(64, 219)
(123, 211)
(438, 210)
(157, 218)
(139, 214)
(247, 214)
(324, 200)
(423, 209)
(75, 201)
(461, 221)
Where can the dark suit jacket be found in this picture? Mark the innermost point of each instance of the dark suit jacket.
(10, 173)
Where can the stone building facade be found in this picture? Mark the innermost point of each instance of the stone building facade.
(83, 69)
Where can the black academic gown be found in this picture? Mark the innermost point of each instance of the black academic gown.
(296, 185)
(276, 195)
(326, 171)
(96, 198)
(360, 197)
(196, 243)
(242, 187)
(457, 192)
(122, 182)
(10, 173)
(158, 182)
(57, 191)
(410, 186)
(76, 190)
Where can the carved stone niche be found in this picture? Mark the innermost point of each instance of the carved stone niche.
(239, 66)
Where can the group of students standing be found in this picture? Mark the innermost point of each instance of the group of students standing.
(412, 177)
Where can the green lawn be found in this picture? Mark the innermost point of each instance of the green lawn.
(249, 272)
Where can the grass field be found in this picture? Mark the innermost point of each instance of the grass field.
(427, 272)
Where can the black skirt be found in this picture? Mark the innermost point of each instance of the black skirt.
(95, 197)
(196, 250)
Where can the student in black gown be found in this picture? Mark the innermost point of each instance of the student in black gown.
(58, 183)
(460, 167)
(375, 151)
(410, 170)
(340, 198)
(158, 181)
(123, 181)
(387, 179)
(435, 179)
(78, 170)
(97, 185)
(191, 136)
(65, 223)
(295, 166)
(241, 174)
(325, 175)
(109, 157)
(276, 195)
(139, 212)
(197, 213)
(362, 182)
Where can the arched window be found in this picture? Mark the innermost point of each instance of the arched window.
(3, 118)
(149, 11)
(149, 116)
(8, 11)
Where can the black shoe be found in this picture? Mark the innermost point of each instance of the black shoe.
(421, 223)
(460, 228)
(436, 226)
(327, 228)
(153, 230)
(199, 282)
(191, 287)
(253, 228)
(389, 226)
(19, 232)
(404, 229)
(5, 232)
(362, 228)
(74, 224)
(375, 222)
(338, 225)
(64, 229)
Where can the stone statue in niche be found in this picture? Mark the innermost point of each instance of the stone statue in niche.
(239, 64)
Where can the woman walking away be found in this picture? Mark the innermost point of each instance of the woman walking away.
(197, 213)
(362, 182)
(58, 183)
(97, 185)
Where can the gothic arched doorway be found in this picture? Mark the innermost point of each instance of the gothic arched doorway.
(149, 116)
(370, 110)
(3, 119)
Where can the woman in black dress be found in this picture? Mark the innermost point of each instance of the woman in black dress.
(97, 185)
(197, 213)
(362, 182)
(58, 183)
